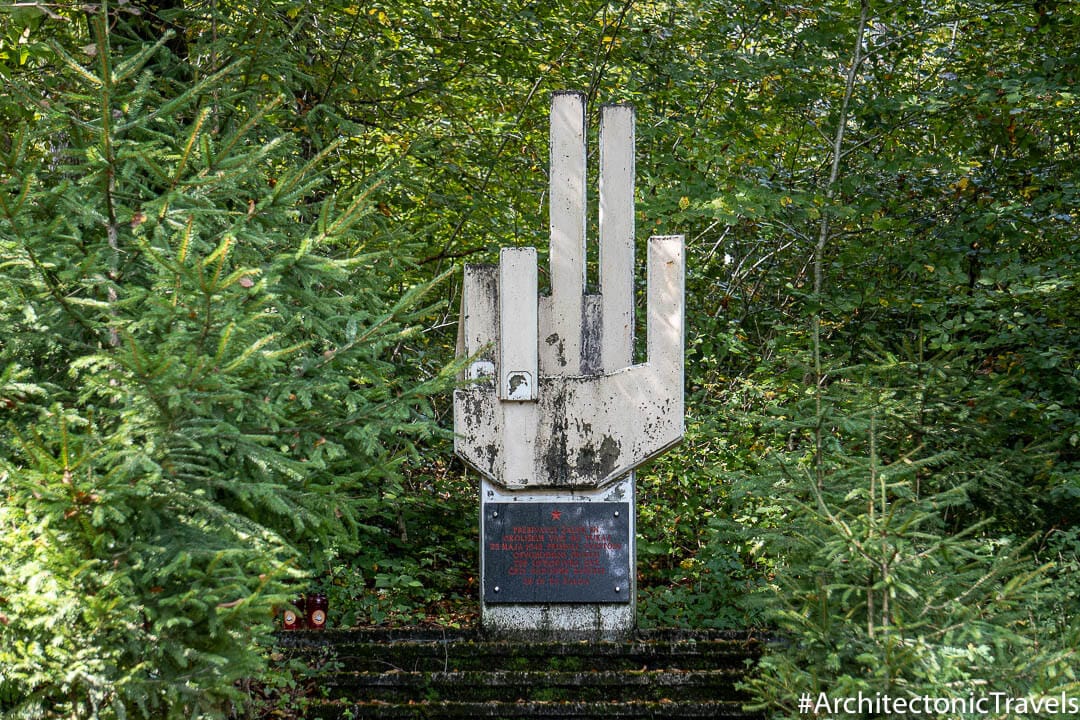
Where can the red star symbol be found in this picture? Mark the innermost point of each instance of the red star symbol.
(556, 514)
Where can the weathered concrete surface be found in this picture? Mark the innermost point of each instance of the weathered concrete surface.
(581, 431)
(559, 402)
(557, 411)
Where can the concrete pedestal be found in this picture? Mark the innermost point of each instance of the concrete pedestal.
(546, 620)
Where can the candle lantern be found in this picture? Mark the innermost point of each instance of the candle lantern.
(316, 611)
(293, 616)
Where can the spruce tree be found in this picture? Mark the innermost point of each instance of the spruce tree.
(197, 381)
(886, 586)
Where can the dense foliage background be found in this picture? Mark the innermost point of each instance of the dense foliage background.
(230, 247)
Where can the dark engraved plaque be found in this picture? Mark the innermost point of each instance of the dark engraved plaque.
(573, 552)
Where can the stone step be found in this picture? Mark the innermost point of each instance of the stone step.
(411, 673)
(383, 636)
(515, 686)
(375, 651)
(606, 656)
(442, 710)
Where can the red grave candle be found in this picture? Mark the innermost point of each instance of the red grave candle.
(316, 611)
(293, 616)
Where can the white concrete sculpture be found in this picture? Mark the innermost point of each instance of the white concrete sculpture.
(557, 412)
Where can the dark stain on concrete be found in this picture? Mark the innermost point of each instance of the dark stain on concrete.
(555, 465)
(560, 350)
(596, 463)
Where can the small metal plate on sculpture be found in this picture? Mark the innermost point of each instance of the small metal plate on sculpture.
(573, 552)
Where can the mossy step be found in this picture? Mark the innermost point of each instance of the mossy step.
(443, 710)
(382, 636)
(376, 651)
(409, 673)
(512, 686)
(547, 656)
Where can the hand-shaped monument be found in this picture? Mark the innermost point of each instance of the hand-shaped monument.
(556, 415)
